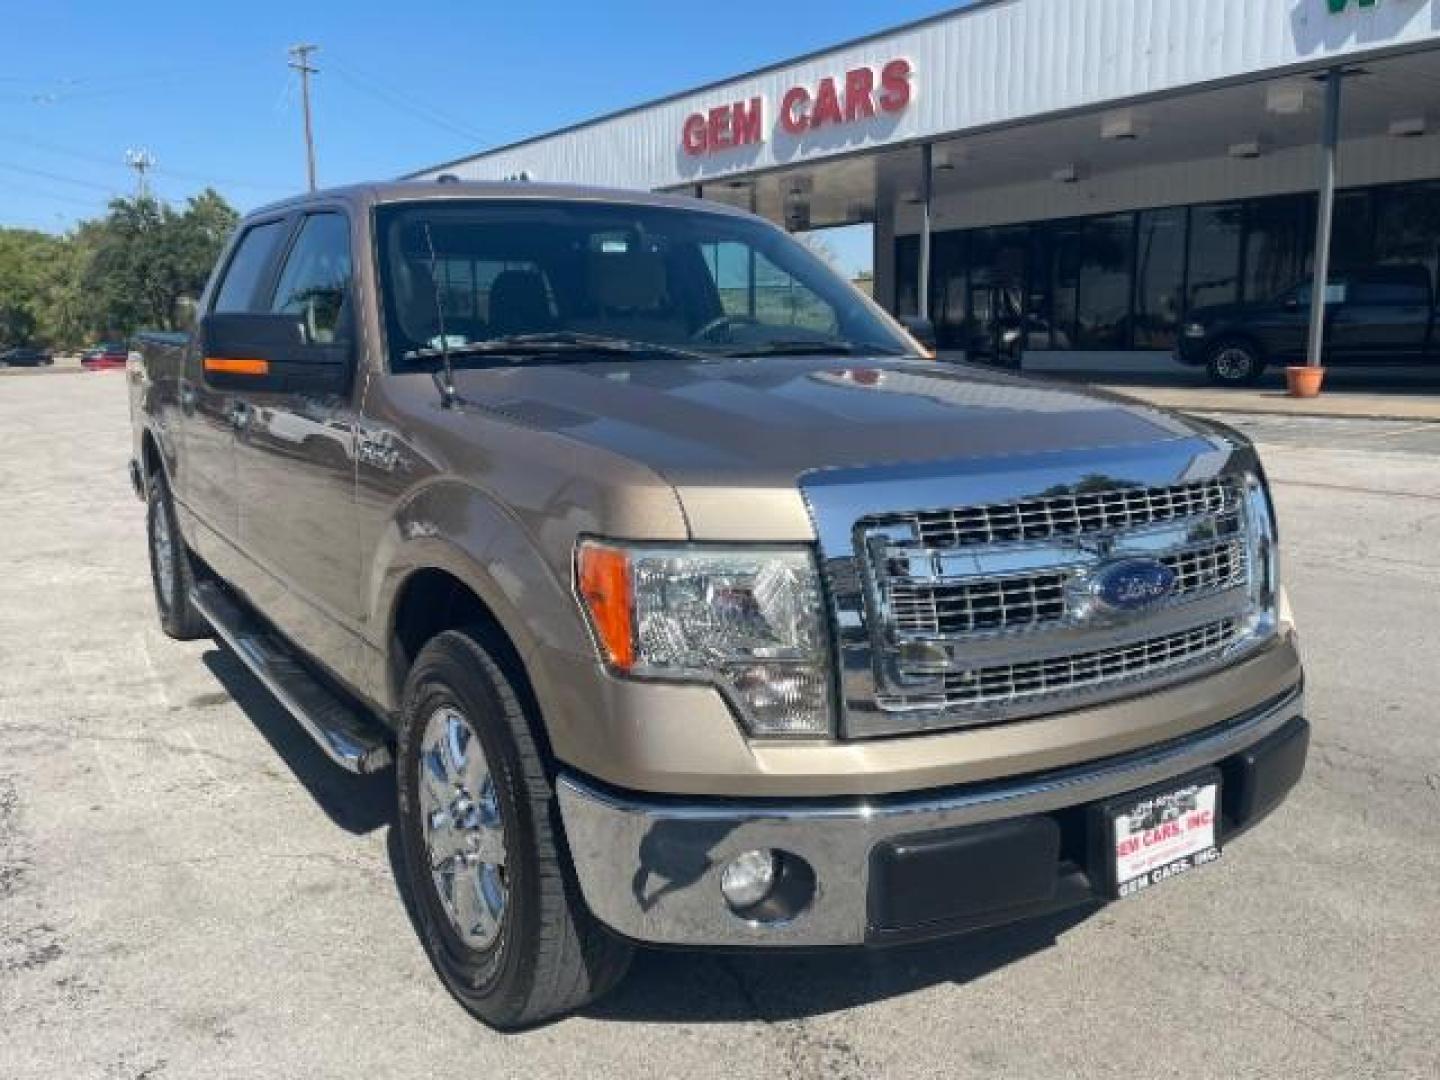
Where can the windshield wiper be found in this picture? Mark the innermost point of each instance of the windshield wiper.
(809, 348)
(560, 344)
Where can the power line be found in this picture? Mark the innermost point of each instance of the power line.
(58, 178)
(404, 102)
(111, 163)
(93, 205)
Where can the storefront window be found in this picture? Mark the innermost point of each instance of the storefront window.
(949, 288)
(907, 276)
(1107, 248)
(1213, 274)
(1352, 236)
(1065, 284)
(1159, 278)
(1279, 239)
(1408, 227)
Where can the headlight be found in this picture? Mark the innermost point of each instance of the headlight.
(1195, 330)
(748, 620)
(1264, 555)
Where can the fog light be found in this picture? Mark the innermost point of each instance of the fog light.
(748, 878)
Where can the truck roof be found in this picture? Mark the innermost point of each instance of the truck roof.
(364, 196)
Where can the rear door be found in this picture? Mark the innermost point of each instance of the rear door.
(1385, 317)
(295, 457)
(206, 481)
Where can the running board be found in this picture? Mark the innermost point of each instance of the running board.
(349, 737)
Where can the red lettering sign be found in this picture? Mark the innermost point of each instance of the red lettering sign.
(859, 91)
(795, 111)
(724, 127)
(895, 84)
(859, 96)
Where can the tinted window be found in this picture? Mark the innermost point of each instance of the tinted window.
(1399, 293)
(659, 275)
(750, 286)
(316, 278)
(1278, 243)
(1214, 272)
(1105, 276)
(1159, 278)
(247, 267)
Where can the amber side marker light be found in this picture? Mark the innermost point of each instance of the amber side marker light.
(604, 579)
(234, 365)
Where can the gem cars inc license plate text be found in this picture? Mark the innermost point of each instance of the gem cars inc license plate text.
(1161, 835)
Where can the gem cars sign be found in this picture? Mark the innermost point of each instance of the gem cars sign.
(834, 101)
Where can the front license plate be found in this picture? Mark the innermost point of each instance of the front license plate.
(1162, 833)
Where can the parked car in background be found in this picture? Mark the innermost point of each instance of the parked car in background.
(1381, 315)
(26, 356)
(105, 356)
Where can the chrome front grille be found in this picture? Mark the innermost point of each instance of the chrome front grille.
(996, 611)
(1073, 514)
(1208, 569)
(994, 604)
(1007, 684)
(1021, 602)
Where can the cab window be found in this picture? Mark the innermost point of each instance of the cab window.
(247, 269)
(315, 282)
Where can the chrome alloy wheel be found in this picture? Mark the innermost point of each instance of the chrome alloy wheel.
(464, 832)
(1234, 364)
(162, 547)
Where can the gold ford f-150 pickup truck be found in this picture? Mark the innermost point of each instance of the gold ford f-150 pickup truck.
(693, 602)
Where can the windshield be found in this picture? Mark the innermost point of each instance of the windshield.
(693, 281)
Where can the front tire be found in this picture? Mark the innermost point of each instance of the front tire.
(496, 901)
(1234, 362)
(171, 572)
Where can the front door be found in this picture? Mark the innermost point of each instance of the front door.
(295, 460)
(205, 486)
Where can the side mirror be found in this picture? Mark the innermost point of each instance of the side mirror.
(265, 351)
(921, 329)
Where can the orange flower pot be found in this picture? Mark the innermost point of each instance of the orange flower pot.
(1304, 381)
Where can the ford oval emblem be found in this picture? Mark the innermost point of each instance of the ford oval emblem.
(1134, 584)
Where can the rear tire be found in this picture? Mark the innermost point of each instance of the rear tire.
(519, 947)
(171, 571)
(1234, 362)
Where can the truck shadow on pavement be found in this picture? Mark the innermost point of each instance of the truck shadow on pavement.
(358, 804)
(665, 985)
(675, 986)
(692, 986)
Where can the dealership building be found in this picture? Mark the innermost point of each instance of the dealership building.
(1065, 179)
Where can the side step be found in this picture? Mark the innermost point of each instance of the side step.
(353, 740)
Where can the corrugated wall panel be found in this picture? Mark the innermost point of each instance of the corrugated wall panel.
(996, 63)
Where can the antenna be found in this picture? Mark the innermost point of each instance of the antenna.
(142, 161)
(447, 383)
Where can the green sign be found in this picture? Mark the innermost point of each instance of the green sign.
(1338, 7)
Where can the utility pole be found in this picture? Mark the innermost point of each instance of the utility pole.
(300, 61)
(142, 161)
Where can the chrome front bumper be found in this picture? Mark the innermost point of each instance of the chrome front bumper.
(649, 867)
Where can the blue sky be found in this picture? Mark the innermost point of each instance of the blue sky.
(206, 89)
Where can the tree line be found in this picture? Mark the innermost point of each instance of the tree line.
(109, 276)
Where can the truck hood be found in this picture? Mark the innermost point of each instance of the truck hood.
(762, 424)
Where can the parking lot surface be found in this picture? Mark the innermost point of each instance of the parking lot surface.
(188, 889)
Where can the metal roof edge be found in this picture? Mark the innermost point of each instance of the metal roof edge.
(865, 39)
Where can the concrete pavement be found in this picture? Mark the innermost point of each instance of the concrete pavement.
(187, 888)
